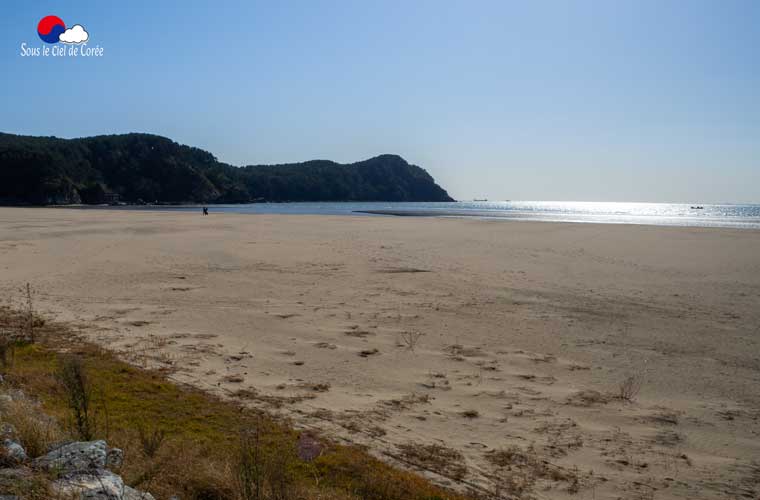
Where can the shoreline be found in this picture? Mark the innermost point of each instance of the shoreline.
(407, 209)
(527, 333)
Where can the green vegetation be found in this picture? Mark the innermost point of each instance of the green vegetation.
(137, 168)
(176, 439)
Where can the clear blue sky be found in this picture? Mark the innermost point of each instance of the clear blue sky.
(539, 100)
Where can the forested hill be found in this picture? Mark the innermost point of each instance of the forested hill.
(144, 168)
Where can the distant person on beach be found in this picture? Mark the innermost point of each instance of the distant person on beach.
(205, 210)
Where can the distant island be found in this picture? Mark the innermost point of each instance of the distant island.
(145, 168)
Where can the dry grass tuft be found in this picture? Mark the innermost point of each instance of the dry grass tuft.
(151, 440)
(7, 353)
(266, 462)
(36, 431)
(442, 460)
(587, 398)
(410, 339)
(630, 387)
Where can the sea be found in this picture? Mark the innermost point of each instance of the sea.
(726, 215)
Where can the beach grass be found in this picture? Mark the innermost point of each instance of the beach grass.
(178, 440)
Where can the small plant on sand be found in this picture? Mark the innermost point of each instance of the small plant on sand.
(630, 387)
(410, 339)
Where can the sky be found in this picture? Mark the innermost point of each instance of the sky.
(625, 100)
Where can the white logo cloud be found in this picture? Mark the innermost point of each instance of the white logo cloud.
(75, 34)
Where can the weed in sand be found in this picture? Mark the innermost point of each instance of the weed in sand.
(630, 387)
(410, 339)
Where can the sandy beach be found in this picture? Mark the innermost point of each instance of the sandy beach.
(400, 332)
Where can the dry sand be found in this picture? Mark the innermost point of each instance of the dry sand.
(527, 330)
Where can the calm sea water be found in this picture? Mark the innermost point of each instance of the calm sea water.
(667, 214)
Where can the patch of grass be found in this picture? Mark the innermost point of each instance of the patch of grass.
(28, 487)
(192, 455)
(35, 431)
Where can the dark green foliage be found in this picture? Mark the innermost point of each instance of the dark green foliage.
(137, 168)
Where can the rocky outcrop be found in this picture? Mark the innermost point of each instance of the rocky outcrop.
(80, 456)
(82, 469)
(98, 484)
(13, 452)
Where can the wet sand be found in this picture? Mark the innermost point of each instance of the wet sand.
(475, 334)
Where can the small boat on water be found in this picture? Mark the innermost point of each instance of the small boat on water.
(480, 200)
(698, 207)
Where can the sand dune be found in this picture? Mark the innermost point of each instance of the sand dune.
(402, 333)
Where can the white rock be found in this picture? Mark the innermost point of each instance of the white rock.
(14, 452)
(96, 485)
(93, 485)
(133, 494)
(76, 456)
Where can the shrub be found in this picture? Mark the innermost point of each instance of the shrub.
(265, 463)
(79, 396)
(151, 440)
(7, 352)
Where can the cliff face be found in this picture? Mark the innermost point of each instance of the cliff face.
(143, 167)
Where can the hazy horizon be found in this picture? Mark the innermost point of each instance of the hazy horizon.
(555, 100)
